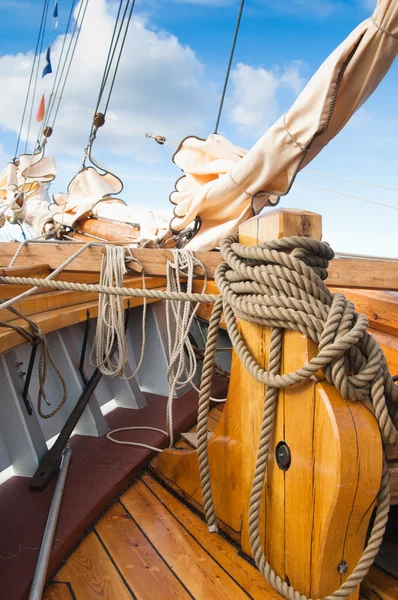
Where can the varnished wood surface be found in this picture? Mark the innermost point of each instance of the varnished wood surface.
(150, 546)
(316, 512)
(67, 314)
(343, 272)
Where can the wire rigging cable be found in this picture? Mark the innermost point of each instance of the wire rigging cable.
(36, 77)
(58, 74)
(42, 24)
(376, 185)
(231, 56)
(68, 63)
(113, 60)
(326, 189)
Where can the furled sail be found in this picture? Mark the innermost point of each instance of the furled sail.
(93, 193)
(24, 187)
(223, 185)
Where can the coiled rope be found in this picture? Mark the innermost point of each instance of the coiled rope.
(280, 285)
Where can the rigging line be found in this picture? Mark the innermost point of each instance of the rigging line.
(120, 55)
(319, 187)
(36, 77)
(376, 185)
(57, 81)
(71, 59)
(231, 56)
(109, 58)
(30, 78)
(125, 125)
(111, 53)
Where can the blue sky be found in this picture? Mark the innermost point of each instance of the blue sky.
(170, 81)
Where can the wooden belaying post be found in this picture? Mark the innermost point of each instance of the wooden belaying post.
(324, 468)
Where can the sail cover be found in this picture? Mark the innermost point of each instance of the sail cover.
(24, 187)
(223, 185)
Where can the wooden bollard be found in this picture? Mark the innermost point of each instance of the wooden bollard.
(318, 505)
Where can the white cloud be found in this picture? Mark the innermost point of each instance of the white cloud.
(159, 87)
(254, 104)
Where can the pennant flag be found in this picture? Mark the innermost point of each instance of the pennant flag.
(47, 67)
(41, 110)
(55, 14)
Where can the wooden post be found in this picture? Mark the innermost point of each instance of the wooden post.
(317, 512)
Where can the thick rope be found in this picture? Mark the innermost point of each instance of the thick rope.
(110, 322)
(280, 285)
(116, 291)
(183, 365)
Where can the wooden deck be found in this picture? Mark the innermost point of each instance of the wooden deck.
(149, 546)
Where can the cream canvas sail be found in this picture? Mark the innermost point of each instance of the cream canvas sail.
(224, 185)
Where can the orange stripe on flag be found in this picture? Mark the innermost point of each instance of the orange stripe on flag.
(41, 110)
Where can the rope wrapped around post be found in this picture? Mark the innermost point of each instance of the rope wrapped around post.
(280, 285)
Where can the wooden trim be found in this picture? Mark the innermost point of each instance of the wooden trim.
(343, 272)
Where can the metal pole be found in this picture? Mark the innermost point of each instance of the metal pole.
(39, 579)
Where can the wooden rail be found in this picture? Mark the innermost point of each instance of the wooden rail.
(343, 272)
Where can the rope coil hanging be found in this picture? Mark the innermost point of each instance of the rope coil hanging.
(280, 285)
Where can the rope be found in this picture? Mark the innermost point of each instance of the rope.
(109, 64)
(110, 437)
(48, 279)
(179, 374)
(102, 289)
(36, 336)
(125, 125)
(110, 323)
(280, 285)
(231, 56)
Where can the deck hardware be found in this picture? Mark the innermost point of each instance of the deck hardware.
(28, 378)
(18, 363)
(283, 456)
(84, 348)
(342, 567)
(51, 461)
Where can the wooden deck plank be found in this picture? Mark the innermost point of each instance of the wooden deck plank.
(57, 591)
(225, 553)
(143, 569)
(91, 573)
(202, 576)
(379, 586)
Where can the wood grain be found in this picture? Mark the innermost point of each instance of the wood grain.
(343, 272)
(57, 591)
(143, 569)
(225, 554)
(379, 586)
(381, 308)
(52, 320)
(92, 574)
(202, 576)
